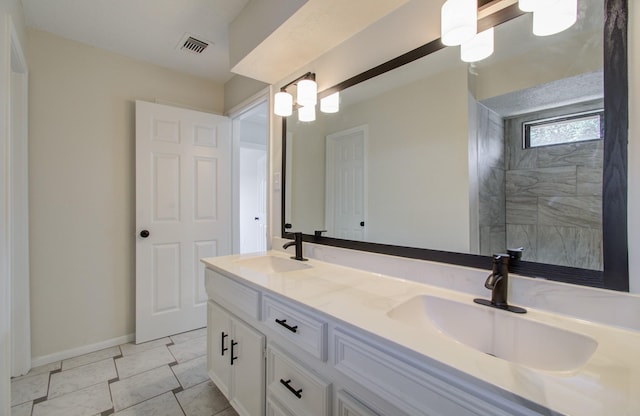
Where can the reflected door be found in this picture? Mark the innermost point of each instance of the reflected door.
(346, 184)
(183, 194)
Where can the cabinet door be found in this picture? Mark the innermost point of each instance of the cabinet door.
(218, 347)
(247, 364)
(349, 406)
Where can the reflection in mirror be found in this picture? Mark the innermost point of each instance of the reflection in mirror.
(434, 155)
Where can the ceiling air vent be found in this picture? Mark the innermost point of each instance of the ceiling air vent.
(193, 45)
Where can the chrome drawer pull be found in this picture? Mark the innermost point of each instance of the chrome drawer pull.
(297, 393)
(283, 322)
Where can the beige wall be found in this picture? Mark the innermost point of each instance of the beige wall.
(238, 89)
(82, 192)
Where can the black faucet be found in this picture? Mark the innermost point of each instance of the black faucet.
(297, 241)
(498, 283)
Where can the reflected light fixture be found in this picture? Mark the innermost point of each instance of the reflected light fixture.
(554, 16)
(330, 103)
(307, 93)
(478, 48)
(459, 21)
(307, 113)
(283, 104)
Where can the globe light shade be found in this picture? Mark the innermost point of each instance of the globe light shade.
(330, 103)
(554, 17)
(478, 48)
(307, 93)
(283, 104)
(307, 113)
(459, 21)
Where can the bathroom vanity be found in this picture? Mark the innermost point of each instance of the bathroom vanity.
(314, 338)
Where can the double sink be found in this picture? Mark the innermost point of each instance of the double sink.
(515, 338)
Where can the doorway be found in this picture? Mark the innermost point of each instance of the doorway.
(250, 144)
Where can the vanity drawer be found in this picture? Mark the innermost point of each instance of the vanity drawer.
(299, 327)
(297, 390)
(233, 295)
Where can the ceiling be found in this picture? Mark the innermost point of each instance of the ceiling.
(149, 30)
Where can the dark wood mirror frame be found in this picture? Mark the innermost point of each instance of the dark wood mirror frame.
(615, 274)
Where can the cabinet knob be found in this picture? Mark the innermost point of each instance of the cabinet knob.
(144, 233)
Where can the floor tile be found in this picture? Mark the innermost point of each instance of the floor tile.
(47, 368)
(202, 400)
(230, 411)
(191, 372)
(131, 348)
(163, 405)
(22, 410)
(131, 365)
(29, 388)
(189, 350)
(143, 386)
(86, 402)
(186, 336)
(80, 377)
(90, 358)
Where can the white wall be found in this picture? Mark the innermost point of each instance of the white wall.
(82, 185)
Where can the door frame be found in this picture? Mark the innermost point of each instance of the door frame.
(235, 114)
(329, 220)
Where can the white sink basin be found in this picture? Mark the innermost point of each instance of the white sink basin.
(499, 333)
(271, 264)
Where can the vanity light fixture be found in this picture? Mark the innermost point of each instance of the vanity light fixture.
(283, 104)
(554, 16)
(459, 21)
(330, 103)
(307, 113)
(307, 92)
(478, 48)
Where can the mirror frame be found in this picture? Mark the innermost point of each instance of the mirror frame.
(615, 273)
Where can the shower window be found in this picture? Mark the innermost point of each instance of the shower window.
(570, 128)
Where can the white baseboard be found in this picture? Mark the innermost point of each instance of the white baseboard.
(74, 352)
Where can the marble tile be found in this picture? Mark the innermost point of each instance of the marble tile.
(516, 157)
(490, 138)
(186, 336)
(80, 377)
(141, 387)
(163, 405)
(140, 362)
(589, 181)
(189, 350)
(588, 154)
(577, 211)
(559, 181)
(491, 181)
(202, 400)
(522, 210)
(492, 210)
(29, 388)
(90, 358)
(569, 246)
(191, 372)
(524, 235)
(131, 348)
(493, 239)
(86, 402)
(47, 368)
(230, 411)
(22, 409)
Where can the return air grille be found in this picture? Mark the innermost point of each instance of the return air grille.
(194, 45)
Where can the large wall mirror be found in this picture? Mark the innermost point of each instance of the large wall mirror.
(442, 160)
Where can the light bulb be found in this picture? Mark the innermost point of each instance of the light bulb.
(478, 48)
(283, 104)
(307, 93)
(459, 21)
(307, 113)
(330, 103)
(554, 17)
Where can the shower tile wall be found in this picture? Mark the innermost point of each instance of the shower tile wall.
(554, 199)
(491, 181)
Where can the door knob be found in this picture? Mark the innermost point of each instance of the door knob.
(144, 233)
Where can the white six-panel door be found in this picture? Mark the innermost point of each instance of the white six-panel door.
(183, 213)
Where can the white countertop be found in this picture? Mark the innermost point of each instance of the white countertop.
(608, 384)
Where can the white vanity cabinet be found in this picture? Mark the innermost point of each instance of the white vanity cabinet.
(235, 360)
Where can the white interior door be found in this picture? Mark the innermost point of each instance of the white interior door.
(346, 184)
(183, 213)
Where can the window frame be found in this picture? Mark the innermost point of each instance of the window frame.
(526, 127)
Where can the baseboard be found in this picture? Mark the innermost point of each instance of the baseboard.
(74, 352)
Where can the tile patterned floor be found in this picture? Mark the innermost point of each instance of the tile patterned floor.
(165, 377)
